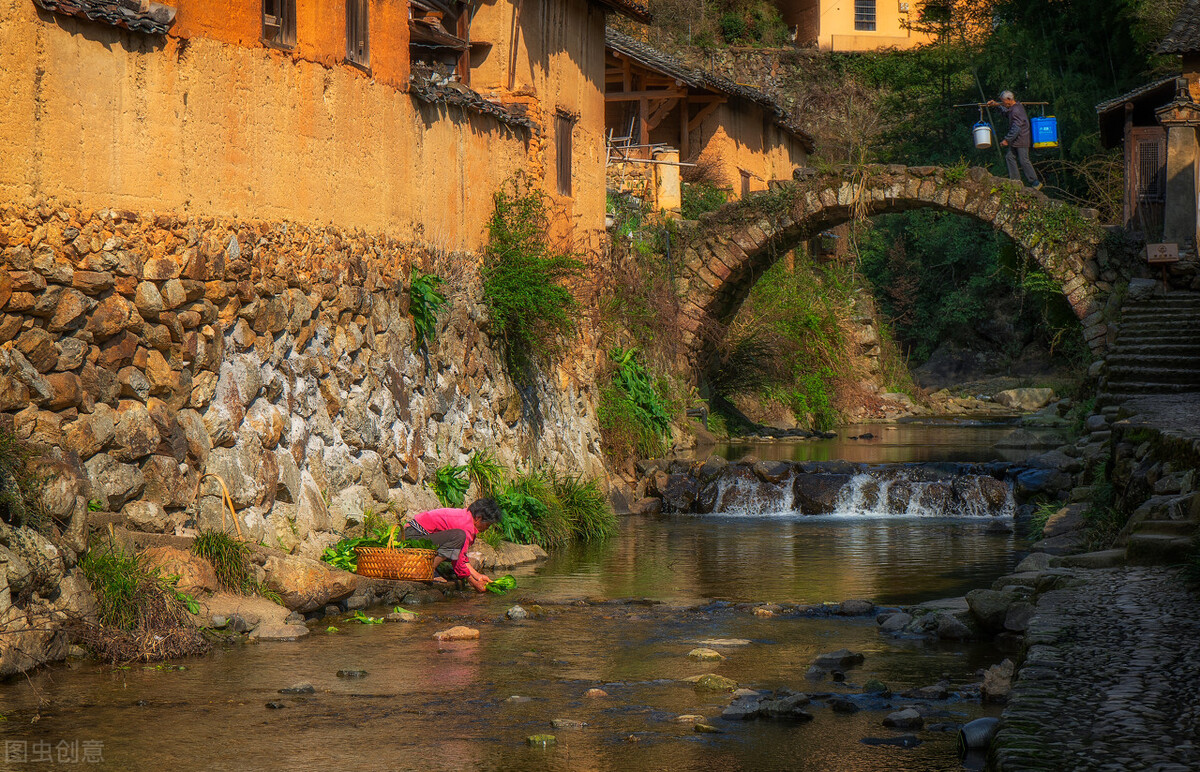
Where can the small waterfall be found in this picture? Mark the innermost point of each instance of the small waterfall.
(747, 495)
(896, 494)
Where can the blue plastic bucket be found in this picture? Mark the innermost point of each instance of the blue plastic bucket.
(1045, 131)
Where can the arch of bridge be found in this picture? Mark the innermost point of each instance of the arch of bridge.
(731, 248)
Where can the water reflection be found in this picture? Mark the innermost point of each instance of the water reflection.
(784, 557)
(424, 705)
(926, 440)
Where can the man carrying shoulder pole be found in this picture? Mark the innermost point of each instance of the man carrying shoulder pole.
(1018, 140)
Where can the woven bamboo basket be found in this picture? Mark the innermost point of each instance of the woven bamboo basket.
(408, 563)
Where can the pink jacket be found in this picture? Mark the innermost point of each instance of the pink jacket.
(449, 519)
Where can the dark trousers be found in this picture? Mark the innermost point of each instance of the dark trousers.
(449, 543)
(1020, 155)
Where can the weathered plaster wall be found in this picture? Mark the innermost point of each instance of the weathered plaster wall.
(549, 55)
(107, 118)
(738, 137)
(144, 351)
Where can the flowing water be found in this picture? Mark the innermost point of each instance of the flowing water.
(664, 586)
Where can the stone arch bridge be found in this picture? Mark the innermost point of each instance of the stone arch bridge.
(732, 247)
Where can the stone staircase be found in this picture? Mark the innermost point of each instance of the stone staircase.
(1156, 358)
(1157, 350)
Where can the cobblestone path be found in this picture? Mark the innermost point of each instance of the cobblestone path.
(1111, 680)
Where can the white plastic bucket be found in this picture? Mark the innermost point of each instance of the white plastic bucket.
(983, 135)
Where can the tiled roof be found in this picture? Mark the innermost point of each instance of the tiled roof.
(430, 89)
(654, 59)
(634, 10)
(1140, 91)
(155, 20)
(1184, 37)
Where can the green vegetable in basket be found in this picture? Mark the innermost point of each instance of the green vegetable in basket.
(502, 585)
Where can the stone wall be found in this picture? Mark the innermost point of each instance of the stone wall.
(143, 351)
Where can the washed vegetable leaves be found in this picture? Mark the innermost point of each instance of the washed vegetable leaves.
(502, 585)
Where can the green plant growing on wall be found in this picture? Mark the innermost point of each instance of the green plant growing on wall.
(531, 309)
(424, 303)
(21, 485)
(485, 472)
(450, 483)
(633, 411)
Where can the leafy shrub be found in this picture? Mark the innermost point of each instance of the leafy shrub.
(549, 509)
(733, 27)
(701, 197)
(424, 303)
(450, 483)
(523, 276)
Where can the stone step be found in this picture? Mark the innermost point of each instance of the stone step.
(1138, 329)
(1174, 348)
(1163, 337)
(1167, 361)
(1158, 375)
(1135, 388)
(1154, 314)
(1152, 549)
(1168, 527)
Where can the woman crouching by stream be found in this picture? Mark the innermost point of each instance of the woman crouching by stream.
(453, 531)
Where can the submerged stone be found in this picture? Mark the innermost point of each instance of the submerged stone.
(715, 683)
(541, 740)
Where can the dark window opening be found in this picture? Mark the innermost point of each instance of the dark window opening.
(440, 40)
(864, 15)
(279, 23)
(358, 32)
(564, 125)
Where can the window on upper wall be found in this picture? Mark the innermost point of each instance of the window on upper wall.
(564, 125)
(864, 15)
(279, 23)
(358, 32)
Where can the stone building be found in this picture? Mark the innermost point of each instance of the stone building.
(1156, 125)
(209, 212)
(852, 25)
(658, 106)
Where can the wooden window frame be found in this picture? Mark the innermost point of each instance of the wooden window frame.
(279, 24)
(866, 15)
(358, 33)
(564, 141)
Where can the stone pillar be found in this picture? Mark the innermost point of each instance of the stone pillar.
(666, 177)
(1181, 118)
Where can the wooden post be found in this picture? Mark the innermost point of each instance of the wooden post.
(684, 135)
(644, 122)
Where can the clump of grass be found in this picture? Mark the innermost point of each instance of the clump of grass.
(485, 472)
(634, 413)
(230, 560)
(141, 614)
(585, 506)
(1037, 522)
(21, 485)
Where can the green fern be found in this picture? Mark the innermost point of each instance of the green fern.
(425, 302)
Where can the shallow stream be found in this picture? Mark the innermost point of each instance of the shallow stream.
(422, 705)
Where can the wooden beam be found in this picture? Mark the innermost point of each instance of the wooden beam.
(637, 96)
(661, 110)
(705, 111)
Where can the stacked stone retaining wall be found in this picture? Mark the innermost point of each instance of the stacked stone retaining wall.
(142, 351)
